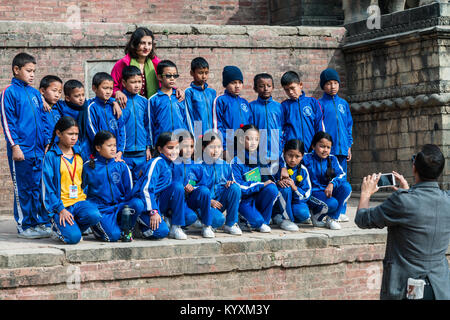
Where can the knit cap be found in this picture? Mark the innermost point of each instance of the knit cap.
(327, 75)
(231, 73)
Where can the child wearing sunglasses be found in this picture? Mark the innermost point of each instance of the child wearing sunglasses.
(166, 112)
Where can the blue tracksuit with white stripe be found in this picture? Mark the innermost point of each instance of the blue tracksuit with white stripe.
(293, 204)
(257, 200)
(200, 102)
(303, 118)
(25, 124)
(109, 185)
(214, 177)
(230, 112)
(100, 116)
(268, 115)
(167, 115)
(186, 171)
(317, 167)
(136, 120)
(338, 123)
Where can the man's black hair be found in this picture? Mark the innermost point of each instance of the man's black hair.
(99, 77)
(48, 80)
(22, 59)
(130, 71)
(70, 85)
(261, 76)
(199, 63)
(429, 162)
(165, 64)
(289, 77)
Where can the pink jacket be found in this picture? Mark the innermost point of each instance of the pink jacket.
(116, 72)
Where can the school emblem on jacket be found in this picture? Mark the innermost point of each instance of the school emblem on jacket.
(113, 124)
(35, 101)
(115, 177)
(244, 107)
(307, 111)
(341, 108)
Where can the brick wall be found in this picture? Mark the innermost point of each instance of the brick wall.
(64, 51)
(248, 12)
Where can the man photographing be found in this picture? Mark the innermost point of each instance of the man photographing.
(418, 221)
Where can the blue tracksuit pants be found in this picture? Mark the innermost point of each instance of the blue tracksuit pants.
(343, 162)
(257, 209)
(290, 206)
(229, 198)
(200, 198)
(334, 206)
(136, 164)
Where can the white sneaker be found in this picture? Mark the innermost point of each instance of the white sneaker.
(46, 232)
(307, 221)
(177, 233)
(277, 219)
(316, 222)
(30, 233)
(288, 225)
(333, 224)
(197, 224)
(87, 232)
(234, 230)
(343, 218)
(207, 232)
(264, 228)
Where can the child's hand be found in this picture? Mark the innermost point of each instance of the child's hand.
(117, 110)
(216, 204)
(268, 182)
(180, 95)
(119, 157)
(284, 183)
(349, 157)
(329, 190)
(284, 174)
(122, 99)
(155, 220)
(228, 184)
(17, 153)
(292, 184)
(188, 188)
(148, 154)
(65, 216)
(47, 107)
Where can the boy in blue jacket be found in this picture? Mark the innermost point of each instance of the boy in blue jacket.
(136, 117)
(199, 97)
(50, 88)
(231, 111)
(167, 114)
(303, 115)
(27, 131)
(100, 114)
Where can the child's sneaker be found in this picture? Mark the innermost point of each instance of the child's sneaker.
(277, 219)
(207, 232)
(30, 233)
(332, 224)
(197, 224)
(288, 225)
(343, 218)
(307, 221)
(177, 233)
(264, 228)
(315, 221)
(45, 231)
(233, 230)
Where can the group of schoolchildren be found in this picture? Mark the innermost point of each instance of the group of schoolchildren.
(76, 165)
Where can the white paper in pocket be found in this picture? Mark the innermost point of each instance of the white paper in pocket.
(415, 289)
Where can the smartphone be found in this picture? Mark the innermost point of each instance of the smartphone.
(386, 180)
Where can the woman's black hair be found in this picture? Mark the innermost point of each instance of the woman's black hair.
(62, 125)
(163, 139)
(330, 174)
(135, 40)
(99, 140)
(294, 144)
(237, 144)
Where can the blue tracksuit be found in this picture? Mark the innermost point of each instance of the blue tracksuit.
(158, 190)
(230, 112)
(303, 118)
(136, 120)
(167, 115)
(109, 185)
(338, 123)
(85, 213)
(200, 102)
(317, 168)
(257, 201)
(293, 204)
(214, 177)
(25, 124)
(268, 115)
(100, 116)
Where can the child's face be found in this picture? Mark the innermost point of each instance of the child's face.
(264, 88)
(168, 77)
(251, 140)
(53, 92)
(293, 158)
(69, 137)
(187, 147)
(235, 87)
(104, 90)
(214, 150)
(200, 76)
(323, 148)
(108, 149)
(26, 73)
(293, 90)
(171, 150)
(76, 96)
(331, 87)
(133, 84)
(145, 46)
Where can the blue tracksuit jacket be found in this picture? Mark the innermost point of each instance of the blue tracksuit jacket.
(167, 114)
(100, 116)
(230, 112)
(317, 168)
(302, 119)
(109, 183)
(215, 176)
(267, 114)
(184, 172)
(136, 120)
(24, 121)
(338, 123)
(304, 187)
(200, 105)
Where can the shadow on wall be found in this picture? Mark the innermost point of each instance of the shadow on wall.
(248, 12)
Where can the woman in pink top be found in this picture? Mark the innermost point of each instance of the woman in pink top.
(139, 52)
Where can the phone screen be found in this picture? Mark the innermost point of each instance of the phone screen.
(386, 180)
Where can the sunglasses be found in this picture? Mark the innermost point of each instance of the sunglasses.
(168, 76)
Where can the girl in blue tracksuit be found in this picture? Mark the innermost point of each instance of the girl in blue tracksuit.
(295, 190)
(62, 193)
(161, 194)
(198, 196)
(330, 189)
(217, 178)
(258, 192)
(109, 184)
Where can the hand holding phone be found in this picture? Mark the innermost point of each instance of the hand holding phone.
(386, 180)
